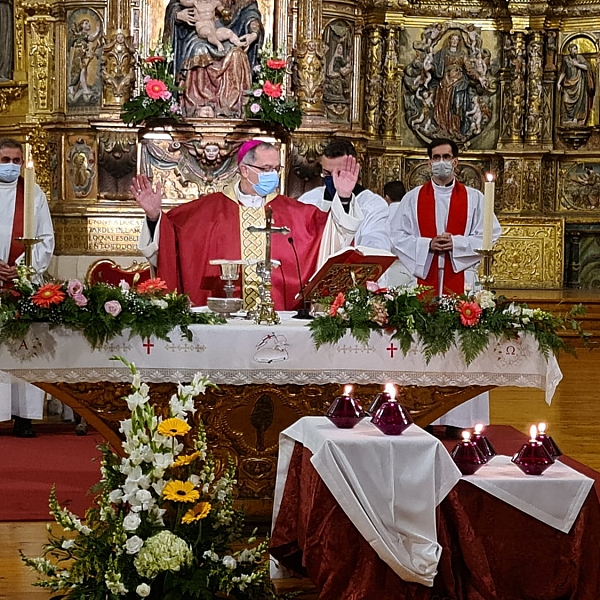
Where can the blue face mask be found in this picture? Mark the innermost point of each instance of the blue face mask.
(9, 172)
(328, 181)
(267, 183)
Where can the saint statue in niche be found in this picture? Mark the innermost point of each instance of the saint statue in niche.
(215, 46)
(6, 40)
(449, 84)
(84, 43)
(577, 84)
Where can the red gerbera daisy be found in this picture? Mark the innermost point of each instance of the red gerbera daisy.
(151, 286)
(48, 294)
(469, 313)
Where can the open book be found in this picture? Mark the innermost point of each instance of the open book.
(346, 268)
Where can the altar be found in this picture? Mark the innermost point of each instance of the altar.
(267, 377)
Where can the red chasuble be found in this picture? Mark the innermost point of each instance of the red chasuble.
(457, 223)
(209, 228)
(16, 248)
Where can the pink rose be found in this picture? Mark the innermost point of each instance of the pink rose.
(79, 299)
(257, 93)
(255, 108)
(74, 287)
(112, 307)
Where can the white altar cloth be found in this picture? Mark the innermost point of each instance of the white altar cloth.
(388, 486)
(242, 352)
(555, 497)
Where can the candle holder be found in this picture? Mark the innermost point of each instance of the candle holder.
(484, 445)
(548, 443)
(467, 456)
(345, 412)
(29, 243)
(487, 279)
(380, 399)
(391, 418)
(533, 458)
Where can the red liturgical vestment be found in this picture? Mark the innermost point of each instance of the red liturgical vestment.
(208, 228)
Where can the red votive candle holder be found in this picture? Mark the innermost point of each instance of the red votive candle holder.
(380, 399)
(345, 411)
(467, 455)
(392, 418)
(484, 445)
(533, 458)
(547, 441)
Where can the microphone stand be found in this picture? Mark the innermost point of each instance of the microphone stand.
(304, 312)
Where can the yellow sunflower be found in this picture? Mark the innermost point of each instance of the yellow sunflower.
(186, 459)
(180, 491)
(200, 511)
(173, 427)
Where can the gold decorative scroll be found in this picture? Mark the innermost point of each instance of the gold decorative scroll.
(40, 29)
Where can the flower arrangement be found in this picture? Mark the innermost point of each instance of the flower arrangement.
(158, 92)
(162, 525)
(100, 312)
(267, 100)
(416, 313)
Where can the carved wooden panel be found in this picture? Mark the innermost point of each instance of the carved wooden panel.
(531, 254)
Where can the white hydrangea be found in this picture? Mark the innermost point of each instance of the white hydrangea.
(163, 552)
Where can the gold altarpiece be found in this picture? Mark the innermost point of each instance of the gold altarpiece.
(514, 82)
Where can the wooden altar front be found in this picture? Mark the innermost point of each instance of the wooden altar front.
(267, 378)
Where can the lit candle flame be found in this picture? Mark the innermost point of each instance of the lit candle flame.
(533, 433)
(348, 390)
(542, 427)
(489, 177)
(466, 435)
(478, 428)
(390, 389)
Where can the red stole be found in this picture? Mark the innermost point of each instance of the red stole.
(457, 223)
(16, 248)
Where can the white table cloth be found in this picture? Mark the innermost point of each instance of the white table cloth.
(242, 352)
(555, 497)
(388, 486)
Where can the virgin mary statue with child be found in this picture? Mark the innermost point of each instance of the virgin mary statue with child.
(214, 77)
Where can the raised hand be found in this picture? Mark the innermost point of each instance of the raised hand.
(148, 199)
(346, 176)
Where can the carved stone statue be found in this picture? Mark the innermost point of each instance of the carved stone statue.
(215, 69)
(6, 40)
(118, 67)
(576, 80)
(84, 43)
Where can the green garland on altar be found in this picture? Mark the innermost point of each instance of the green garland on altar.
(99, 312)
(466, 321)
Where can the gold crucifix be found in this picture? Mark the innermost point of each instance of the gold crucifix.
(265, 310)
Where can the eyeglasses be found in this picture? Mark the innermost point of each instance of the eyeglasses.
(438, 157)
(265, 169)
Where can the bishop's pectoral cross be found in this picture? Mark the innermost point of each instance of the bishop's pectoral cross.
(265, 311)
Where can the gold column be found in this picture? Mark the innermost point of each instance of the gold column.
(310, 60)
(513, 89)
(548, 87)
(40, 26)
(391, 86)
(535, 73)
(373, 79)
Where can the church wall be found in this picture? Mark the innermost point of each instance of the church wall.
(388, 75)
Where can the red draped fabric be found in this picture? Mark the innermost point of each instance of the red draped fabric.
(457, 222)
(209, 228)
(491, 550)
(17, 248)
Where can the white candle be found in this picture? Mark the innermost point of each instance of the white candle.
(488, 212)
(29, 201)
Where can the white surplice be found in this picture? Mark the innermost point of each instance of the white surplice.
(413, 251)
(20, 398)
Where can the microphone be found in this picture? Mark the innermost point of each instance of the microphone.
(303, 313)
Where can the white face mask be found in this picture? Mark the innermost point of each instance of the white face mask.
(442, 169)
(9, 172)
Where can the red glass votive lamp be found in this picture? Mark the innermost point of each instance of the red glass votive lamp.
(467, 455)
(484, 445)
(547, 441)
(392, 418)
(533, 458)
(381, 398)
(345, 411)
